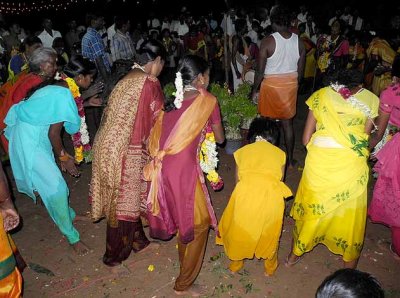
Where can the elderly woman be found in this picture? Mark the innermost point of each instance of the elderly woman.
(42, 68)
(34, 133)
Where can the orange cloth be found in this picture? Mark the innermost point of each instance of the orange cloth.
(278, 96)
(10, 277)
(12, 93)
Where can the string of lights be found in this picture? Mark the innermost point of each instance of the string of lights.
(19, 8)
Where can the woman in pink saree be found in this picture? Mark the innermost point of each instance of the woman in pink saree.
(178, 201)
(385, 204)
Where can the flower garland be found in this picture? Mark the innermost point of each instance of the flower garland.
(354, 102)
(209, 160)
(179, 90)
(81, 140)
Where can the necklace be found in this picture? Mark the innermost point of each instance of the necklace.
(137, 66)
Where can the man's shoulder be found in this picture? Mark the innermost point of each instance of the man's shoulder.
(42, 34)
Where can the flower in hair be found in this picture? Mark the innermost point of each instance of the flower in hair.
(179, 90)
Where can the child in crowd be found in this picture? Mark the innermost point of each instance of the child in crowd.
(350, 283)
(252, 221)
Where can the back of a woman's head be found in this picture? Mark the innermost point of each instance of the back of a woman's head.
(30, 41)
(350, 283)
(349, 77)
(150, 50)
(190, 67)
(396, 66)
(40, 56)
(264, 128)
(79, 66)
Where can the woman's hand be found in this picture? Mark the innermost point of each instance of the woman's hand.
(70, 167)
(94, 101)
(9, 214)
(254, 98)
(93, 90)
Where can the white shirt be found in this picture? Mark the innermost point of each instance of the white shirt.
(47, 39)
(308, 29)
(182, 29)
(358, 25)
(285, 57)
(332, 20)
(111, 32)
(166, 25)
(302, 17)
(253, 36)
(230, 26)
(153, 24)
(264, 24)
(346, 18)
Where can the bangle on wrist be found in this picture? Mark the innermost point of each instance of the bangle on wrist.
(64, 156)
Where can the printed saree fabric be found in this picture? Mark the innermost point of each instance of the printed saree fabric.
(117, 189)
(331, 201)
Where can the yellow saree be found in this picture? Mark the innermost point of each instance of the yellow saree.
(331, 201)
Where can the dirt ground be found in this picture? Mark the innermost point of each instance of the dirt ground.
(55, 271)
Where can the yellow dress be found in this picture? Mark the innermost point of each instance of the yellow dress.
(252, 221)
(331, 201)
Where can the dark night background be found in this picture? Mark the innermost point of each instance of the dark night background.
(138, 10)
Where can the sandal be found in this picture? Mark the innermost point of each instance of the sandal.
(289, 264)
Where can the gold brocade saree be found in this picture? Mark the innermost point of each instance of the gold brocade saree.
(331, 201)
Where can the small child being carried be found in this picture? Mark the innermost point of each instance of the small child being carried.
(252, 221)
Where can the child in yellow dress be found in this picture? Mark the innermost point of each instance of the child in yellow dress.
(252, 221)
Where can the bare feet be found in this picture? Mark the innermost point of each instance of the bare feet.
(152, 246)
(292, 260)
(395, 255)
(85, 217)
(267, 275)
(387, 245)
(80, 248)
(351, 264)
(292, 165)
(194, 291)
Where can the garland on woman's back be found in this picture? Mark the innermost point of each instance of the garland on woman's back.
(81, 140)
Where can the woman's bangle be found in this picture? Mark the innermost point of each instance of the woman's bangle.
(64, 156)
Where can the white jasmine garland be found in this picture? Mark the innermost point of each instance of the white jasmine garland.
(353, 101)
(179, 90)
(84, 131)
(211, 160)
(259, 138)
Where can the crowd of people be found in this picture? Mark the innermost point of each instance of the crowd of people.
(102, 88)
